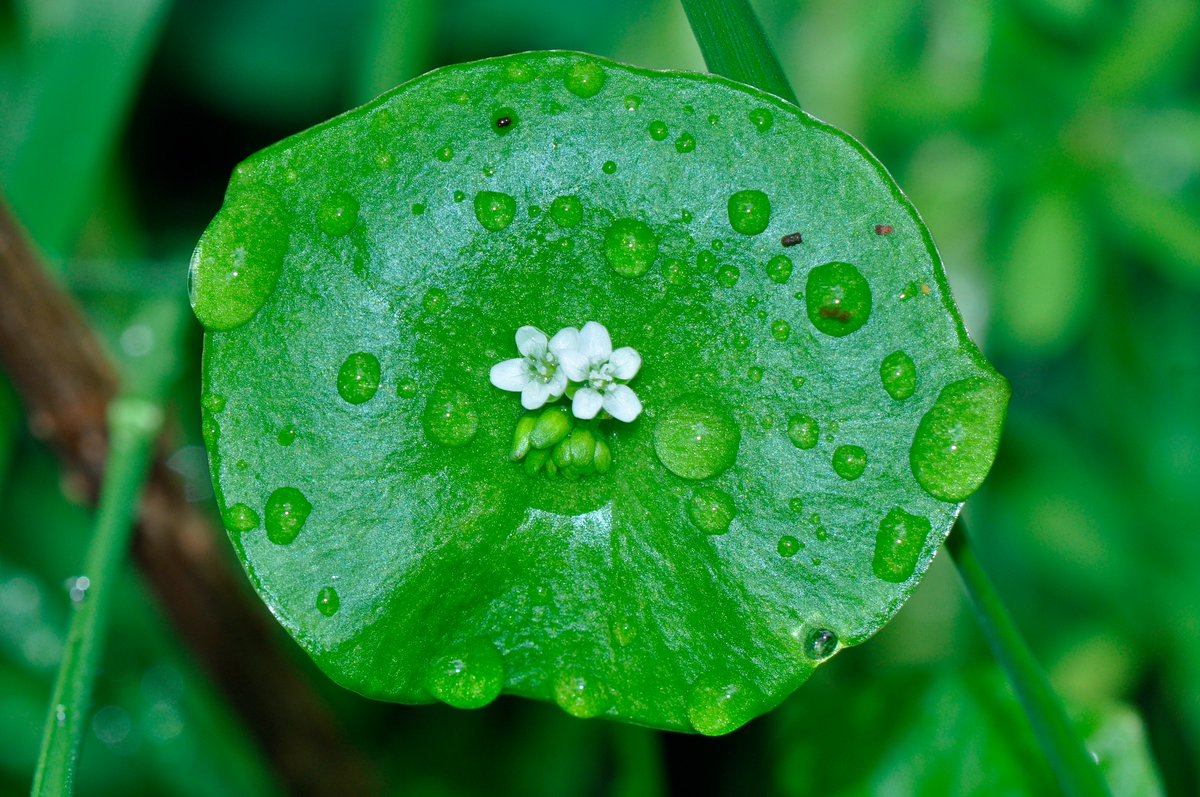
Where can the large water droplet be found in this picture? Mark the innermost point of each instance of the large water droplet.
(779, 269)
(581, 696)
(338, 214)
(287, 510)
(470, 675)
(585, 79)
(957, 438)
(494, 210)
(720, 703)
(358, 378)
(450, 419)
(820, 644)
(899, 375)
(630, 247)
(235, 266)
(695, 437)
(658, 130)
(781, 330)
(838, 299)
(849, 462)
(749, 212)
(898, 545)
(803, 430)
(567, 211)
(788, 546)
(710, 510)
(240, 518)
(328, 602)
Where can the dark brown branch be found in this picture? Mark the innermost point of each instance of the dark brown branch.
(65, 381)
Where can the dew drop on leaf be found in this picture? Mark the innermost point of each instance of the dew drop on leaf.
(957, 438)
(898, 375)
(849, 462)
(240, 518)
(749, 212)
(494, 210)
(581, 696)
(803, 431)
(338, 214)
(779, 269)
(728, 276)
(287, 510)
(898, 545)
(762, 119)
(358, 378)
(821, 643)
(567, 211)
(450, 419)
(658, 130)
(585, 79)
(718, 703)
(710, 510)
(630, 247)
(781, 330)
(328, 602)
(788, 546)
(695, 437)
(838, 299)
(470, 675)
(685, 143)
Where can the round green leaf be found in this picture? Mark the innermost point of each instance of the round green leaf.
(813, 409)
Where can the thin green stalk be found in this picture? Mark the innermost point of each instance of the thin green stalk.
(735, 46)
(133, 425)
(640, 769)
(1077, 772)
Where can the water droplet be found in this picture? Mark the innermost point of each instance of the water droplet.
(820, 644)
(762, 119)
(240, 256)
(240, 518)
(459, 196)
(838, 299)
(779, 269)
(685, 216)
(755, 375)
(418, 209)
(287, 435)
(358, 378)
(728, 276)
(798, 382)
(338, 214)
(898, 545)
(788, 546)
(695, 437)
(685, 143)
(630, 247)
(287, 510)
(567, 211)
(435, 301)
(741, 342)
(213, 402)
(803, 430)
(210, 430)
(406, 387)
(632, 102)
(534, 211)
(504, 121)
(849, 462)
(720, 703)
(749, 212)
(518, 73)
(470, 675)
(781, 330)
(710, 510)
(581, 696)
(625, 632)
(609, 167)
(446, 154)
(705, 262)
(658, 130)
(450, 419)
(328, 602)
(957, 438)
(494, 210)
(585, 79)
(713, 119)
(899, 375)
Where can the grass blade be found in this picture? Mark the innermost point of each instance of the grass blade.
(734, 45)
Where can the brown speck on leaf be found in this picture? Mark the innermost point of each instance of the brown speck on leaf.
(503, 121)
(791, 239)
(883, 229)
(835, 313)
(925, 289)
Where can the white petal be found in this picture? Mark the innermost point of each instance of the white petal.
(594, 342)
(564, 339)
(625, 363)
(558, 383)
(586, 404)
(531, 341)
(574, 364)
(534, 394)
(622, 403)
(510, 375)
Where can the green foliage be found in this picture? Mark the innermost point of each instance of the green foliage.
(535, 190)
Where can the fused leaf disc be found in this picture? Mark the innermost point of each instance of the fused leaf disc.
(813, 410)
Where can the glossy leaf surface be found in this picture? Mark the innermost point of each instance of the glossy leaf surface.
(363, 277)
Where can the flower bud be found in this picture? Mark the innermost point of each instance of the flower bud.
(521, 442)
(551, 427)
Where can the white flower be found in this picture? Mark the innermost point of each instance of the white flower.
(602, 373)
(536, 374)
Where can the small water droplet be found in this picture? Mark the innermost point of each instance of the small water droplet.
(710, 510)
(287, 510)
(338, 214)
(450, 419)
(713, 119)
(328, 602)
(849, 462)
(469, 675)
(630, 247)
(705, 262)
(287, 435)
(798, 382)
(406, 387)
(741, 342)
(585, 79)
(213, 402)
(898, 545)
(609, 167)
(720, 702)
(435, 301)
(695, 437)
(779, 269)
(685, 216)
(796, 504)
(445, 155)
(658, 130)
(494, 210)
(898, 375)
(957, 438)
(240, 518)
(518, 73)
(820, 644)
(567, 211)
(762, 119)
(418, 209)
(632, 102)
(755, 375)
(728, 276)
(459, 196)
(803, 430)
(581, 696)
(788, 546)
(676, 271)
(838, 299)
(60, 715)
(358, 378)
(781, 330)
(685, 143)
(749, 212)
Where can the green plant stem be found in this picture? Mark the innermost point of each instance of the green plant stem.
(735, 46)
(1075, 769)
(133, 425)
(640, 771)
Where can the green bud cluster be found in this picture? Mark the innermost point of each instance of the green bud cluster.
(554, 443)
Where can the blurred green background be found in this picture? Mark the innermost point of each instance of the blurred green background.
(1053, 147)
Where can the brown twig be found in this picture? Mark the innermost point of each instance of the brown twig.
(65, 381)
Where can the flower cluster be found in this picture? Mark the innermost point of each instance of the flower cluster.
(578, 363)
